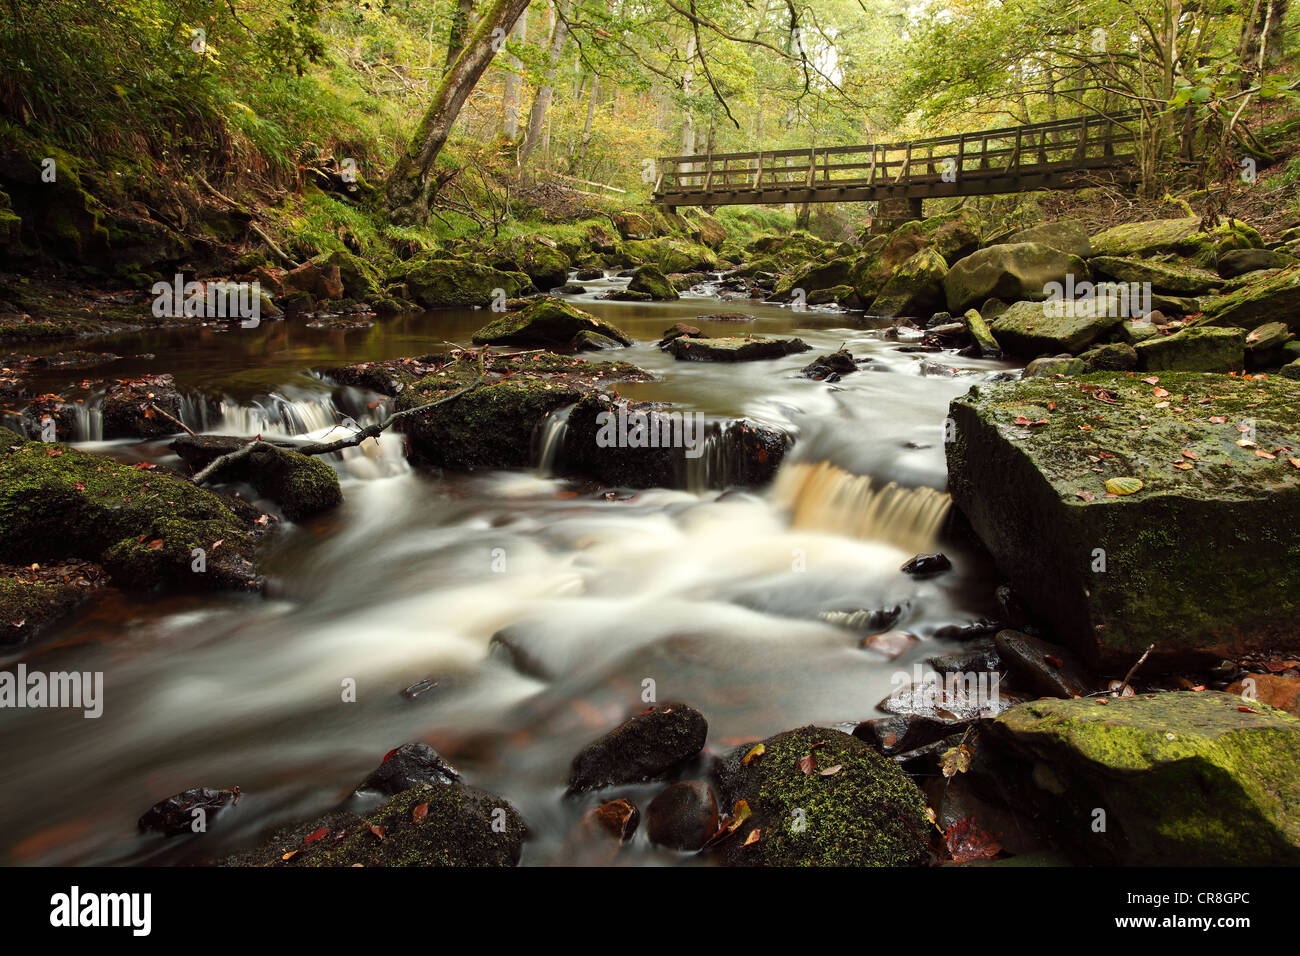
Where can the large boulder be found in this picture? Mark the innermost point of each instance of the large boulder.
(1163, 277)
(646, 747)
(1067, 235)
(1203, 560)
(539, 259)
(546, 323)
(1181, 237)
(650, 281)
(1274, 298)
(1029, 329)
(736, 348)
(819, 797)
(1008, 271)
(1195, 349)
(1173, 779)
(632, 225)
(432, 281)
(1240, 262)
(915, 288)
(145, 407)
(813, 277)
(670, 254)
(303, 486)
(141, 525)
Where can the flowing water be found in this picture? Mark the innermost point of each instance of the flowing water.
(505, 618)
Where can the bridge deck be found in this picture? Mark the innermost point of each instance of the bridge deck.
(1054, 155)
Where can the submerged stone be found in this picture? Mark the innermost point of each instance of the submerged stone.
(738, 348)
(646, 747)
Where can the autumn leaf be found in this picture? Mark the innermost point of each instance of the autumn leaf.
(315, 835)
(757, 751)
(1159, 392)
(808, 765)
(377, 831)
(1123, 485)
(420, 812)
(966, 842)
(956, 760)
(1263, 454)
(752, 838)
(832, 771)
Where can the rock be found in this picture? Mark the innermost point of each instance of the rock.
(588, 341)
(438, 826)
(712, 232)
(865, 813)
(431, 281)
(927, 565)
(650, 281)
(1028, 329)
(915, 287)
(891, 644)
(1197, 349)
(739, 348)
(1047, 669)
(646, 747)
(1021, 270)
(588, 275)
(1145, 238)
(538, 258)
(407, 766)
(1264, 345)
(1183, 778)
(899, 735)
(835, 364)
(140, 525)
(1050, 365)
(322, 282)
(1239, 262)
(358, 279)
(1275, 298)
(670, 255)
(813, 277)
(1183, 564)
(1067, 235)
(1291, 371)
(130, 408)
(677, 331)
(1110, 357)
(1272, 689)
(986, 345)
(546, 323)
(626, 295)
(618, 818)
(303, 486)
(1164, 277)
(184, 811)
(33, 600)
(683, 816)
(631, 225)
(1134, 331)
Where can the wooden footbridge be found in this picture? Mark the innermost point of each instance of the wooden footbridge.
(1055, 155)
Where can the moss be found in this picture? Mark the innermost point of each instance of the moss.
(1271, 298)
(548, 323)
(141, 525)
(435, 281)
(1186, 778)
(868, 813)
(736, 348)
(1188, 558)
(915, 288)
(1028, 329)
(650, 281)
(1204, 349)
(26, 607)
(361, 280)
(1166, 277)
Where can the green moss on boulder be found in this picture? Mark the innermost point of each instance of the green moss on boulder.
(1164, 277)
(915, 288)
(648, 280)
(1195, 349)
(1009, 271)
(866, 813)
(432, 281)
(1273, 298)
(1029, 329)
(546, 323)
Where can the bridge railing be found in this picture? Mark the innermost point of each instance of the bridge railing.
(1079, 143)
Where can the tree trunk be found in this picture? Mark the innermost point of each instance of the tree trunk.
(510, 96)
(688, 121)
(460, 26)
(542, 101)
(591, 115)
(409, 183)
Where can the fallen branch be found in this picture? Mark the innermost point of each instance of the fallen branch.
(171, 418)
(257, 230)
(356, 438)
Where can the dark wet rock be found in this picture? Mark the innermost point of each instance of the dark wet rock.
(650, 281)
(870, 620)
(1176, 564)
(387, 377)
(35, 598)
(303, 486)
(742, 348)
(589, 275)
(358, 279)
(588, 341)
(323, 282)
(1240, 262)
(407, 766)
(546, 323)
(627, 295)
(677, 331)
(437, 826)
(838, 364)
(927, 565)
(140, 525)
(966, 632)
(901, 735)
(683, 816)
(568, 289)
(1044, 668)
(1183, 778)
(647, 747)
(865, 813)
(50, 408)
(183, 812)
(980, 655)
(725, 317)
(131, 408)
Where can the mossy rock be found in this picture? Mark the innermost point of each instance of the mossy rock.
(443, 825)
(432, 281)
(1240, 262)
(985, 341)
(1009, 271)
(490, 427)
(843, 295)
(29, 607)
(813, 277)
(140, 525)
(1068, 235)
(737, 348)
(1185, 778)
(915, 288)
(361, 280)
(670, 254)
(539, 259)
(303, 486)
(1195, 349)
(1203, 561)
(648, 280)
(1179, 237)
(632, 225)
(866, 813)
(1028, 329)
(1275, 297)
(547, 323)
(1164, 277)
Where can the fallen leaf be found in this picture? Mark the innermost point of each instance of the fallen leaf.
(752, 838)
(807, 765)
(420, 812)
(832, 771)
(1124, 485)
(967, 842)
(377, 831)
(757, 751)
(315, 835)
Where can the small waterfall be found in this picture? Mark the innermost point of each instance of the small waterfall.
(823, 497)
(278, 415)
(88, 425)
(552, 432)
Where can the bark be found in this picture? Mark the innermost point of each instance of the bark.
(542, 101)
(408, 187)
(591, 115)
(510, 97)
(456, 35)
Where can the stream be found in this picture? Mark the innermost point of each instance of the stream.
(713, 595)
